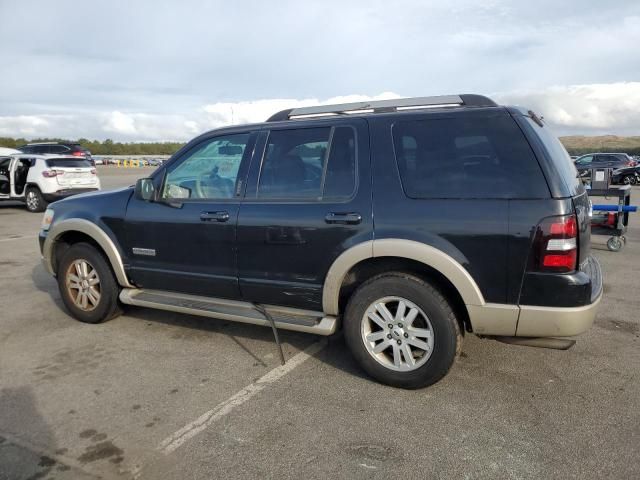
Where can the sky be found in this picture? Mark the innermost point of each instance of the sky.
(148, 70)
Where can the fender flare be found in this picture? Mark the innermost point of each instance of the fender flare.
(394, 247)
(97, 234)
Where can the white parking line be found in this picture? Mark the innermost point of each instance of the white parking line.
(18, 238)
(174, 441)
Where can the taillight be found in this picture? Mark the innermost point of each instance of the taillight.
(52, 173)
(78, 153)
(555, 245)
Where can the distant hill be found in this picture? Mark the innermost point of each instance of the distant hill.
(579, 144)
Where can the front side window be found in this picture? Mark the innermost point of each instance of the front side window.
(309, 164)
(209, 172)
(585, 160)
(466, 157)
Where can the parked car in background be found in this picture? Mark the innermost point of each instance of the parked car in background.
(57, 148)
(585, 163)
(626, 176)
(273, 224)
(39, 180)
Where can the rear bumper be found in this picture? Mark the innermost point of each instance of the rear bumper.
(546, 320)
(556, 321)
(60, 194)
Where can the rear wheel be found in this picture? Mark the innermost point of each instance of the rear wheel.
(402, 331)
(629, 180)
(34, 200)
(87, 285)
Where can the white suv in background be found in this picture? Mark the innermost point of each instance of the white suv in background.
(39, 180)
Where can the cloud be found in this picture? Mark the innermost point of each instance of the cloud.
(612, 108)
(585, 109)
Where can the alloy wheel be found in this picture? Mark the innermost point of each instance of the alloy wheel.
(83, 285)
(397, 334)
(32, 200)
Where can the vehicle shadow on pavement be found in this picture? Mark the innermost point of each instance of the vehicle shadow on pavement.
(8, 206)
(24, 436)
(46, 283)
(241, 334)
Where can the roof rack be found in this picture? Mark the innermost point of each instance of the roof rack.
(380, 106)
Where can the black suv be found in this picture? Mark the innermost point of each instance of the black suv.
(405, 222)
(57, 148)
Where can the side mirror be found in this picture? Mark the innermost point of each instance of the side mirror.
(145, 190)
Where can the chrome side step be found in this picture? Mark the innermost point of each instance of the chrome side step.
(285, 318)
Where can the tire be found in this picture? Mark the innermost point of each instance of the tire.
(615, 244)
(629, 180)
(34, 200)
(71, 274)
(432, 357)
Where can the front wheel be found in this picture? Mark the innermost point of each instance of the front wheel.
(402, 331)
(34, 200)
(87, 284)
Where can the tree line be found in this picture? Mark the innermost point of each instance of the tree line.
(109, 147)
(106, 147)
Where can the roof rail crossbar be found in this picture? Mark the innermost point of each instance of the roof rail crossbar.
(384, 106)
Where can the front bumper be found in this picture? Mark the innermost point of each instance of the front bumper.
(60, 194)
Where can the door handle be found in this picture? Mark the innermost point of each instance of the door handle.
(344, 218)
(214, 216)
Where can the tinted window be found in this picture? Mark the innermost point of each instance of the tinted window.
(466, 157)
(210, 171)
(68, 162)
(340, 177)
(59, 149)
(559, 154)
(310, 163)
(585, 160)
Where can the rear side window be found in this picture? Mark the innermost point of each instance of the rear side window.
(309, 164)
(68, 163)
(466, 157)
(57, 149)
(560, 156)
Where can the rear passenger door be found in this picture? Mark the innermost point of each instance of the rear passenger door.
(308, 199)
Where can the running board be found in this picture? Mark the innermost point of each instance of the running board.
(285, 318)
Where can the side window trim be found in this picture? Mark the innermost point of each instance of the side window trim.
(243, 170)
(325, 164)
(255, 191)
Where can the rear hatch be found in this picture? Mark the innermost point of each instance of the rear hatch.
(566, 170)
(75, 172)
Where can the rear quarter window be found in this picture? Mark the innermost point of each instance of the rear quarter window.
(559, 155)
(466, 157)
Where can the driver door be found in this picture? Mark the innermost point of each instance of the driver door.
(185, 240)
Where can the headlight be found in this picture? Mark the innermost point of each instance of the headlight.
(47, 219)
